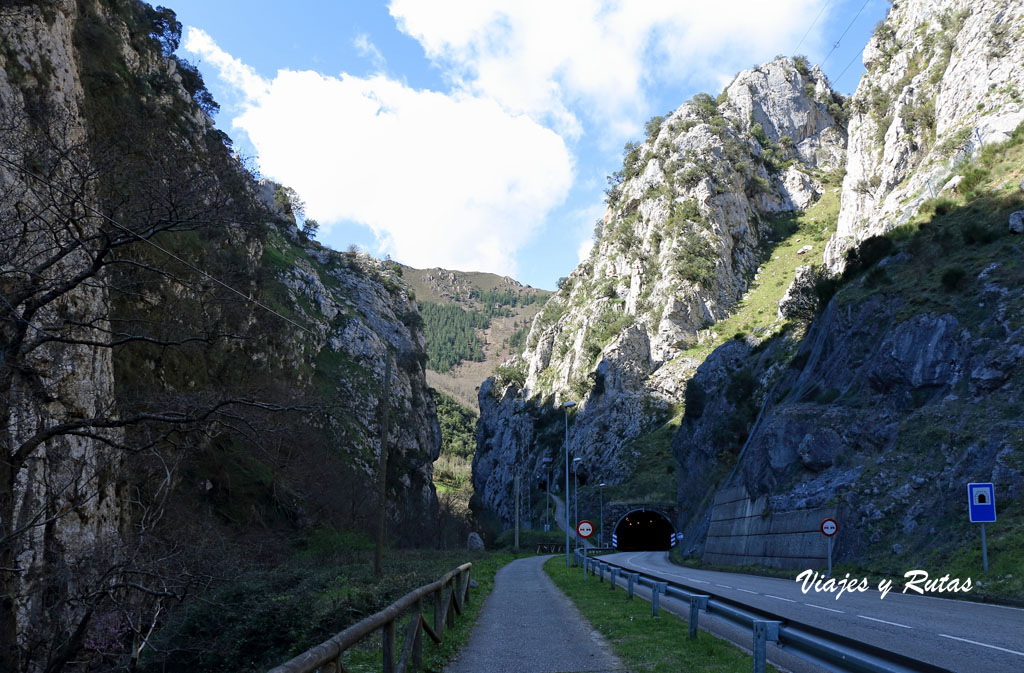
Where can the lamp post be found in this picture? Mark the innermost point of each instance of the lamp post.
(547, 495)
(566, 405)
(576, 498)
(600, 489)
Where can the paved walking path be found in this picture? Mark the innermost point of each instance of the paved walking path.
(528, 626)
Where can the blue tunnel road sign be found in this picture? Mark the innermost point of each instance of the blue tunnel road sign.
(981, 500)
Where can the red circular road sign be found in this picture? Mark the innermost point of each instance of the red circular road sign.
(829, 527)
(585, 529)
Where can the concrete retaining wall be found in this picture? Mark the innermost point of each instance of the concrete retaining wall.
(745, 532)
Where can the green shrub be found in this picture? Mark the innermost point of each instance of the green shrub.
(705, 106)
(953, 278)
(954, 141)
(689, 210)
(510, 374)
(757, 131)
(692, 175)
(696, 260)
(976, 232)
(877, 277)
(921, 115)
(973, 177)
(758, 185)
(802, 65)
(653, 125)
(943, 205)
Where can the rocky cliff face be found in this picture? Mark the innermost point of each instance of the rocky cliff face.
(147, 409)
(907, 386)
(681, 239)
(885, 409)
(38, 69)
(943, 80)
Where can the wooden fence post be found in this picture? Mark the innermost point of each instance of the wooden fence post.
(417, 643)
(438, 613)
(388, 646)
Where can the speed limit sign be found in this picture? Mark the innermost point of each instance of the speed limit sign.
(585, 529)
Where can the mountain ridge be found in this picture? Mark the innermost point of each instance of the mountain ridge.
(833, 397)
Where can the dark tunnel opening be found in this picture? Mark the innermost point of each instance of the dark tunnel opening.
(644, 530)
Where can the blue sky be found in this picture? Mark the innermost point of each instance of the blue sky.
(477, 135)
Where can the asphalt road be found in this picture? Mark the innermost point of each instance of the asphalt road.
(956, 634)
(527, 625)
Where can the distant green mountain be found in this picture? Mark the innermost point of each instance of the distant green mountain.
(472, 321)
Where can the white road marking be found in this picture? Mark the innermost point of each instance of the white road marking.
(690, 579)
(812, 605)
(788, 600)
(975, 642)
(902, 626)
(748, 591)
(724, 586)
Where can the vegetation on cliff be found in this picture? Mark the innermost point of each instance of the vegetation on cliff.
(191, 387)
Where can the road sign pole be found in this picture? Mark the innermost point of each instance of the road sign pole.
(981, 504)
(829, 528)
(984, 550)
(516, 544)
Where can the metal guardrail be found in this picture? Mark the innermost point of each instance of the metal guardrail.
(451, 592)
(829, 650)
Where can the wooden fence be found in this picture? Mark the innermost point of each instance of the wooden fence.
(550, 548)
(450, 594)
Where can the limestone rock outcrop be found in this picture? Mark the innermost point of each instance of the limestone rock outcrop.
(675, 251)
(943, 80)
(145, 407)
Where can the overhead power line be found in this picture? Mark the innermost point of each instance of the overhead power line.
(811, 27)
(835, 45)
(843, 72)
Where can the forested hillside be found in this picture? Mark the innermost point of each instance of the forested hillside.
(472, 322)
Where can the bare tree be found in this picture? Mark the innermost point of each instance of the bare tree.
(95, 241)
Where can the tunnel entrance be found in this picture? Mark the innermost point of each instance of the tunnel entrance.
(643, 530)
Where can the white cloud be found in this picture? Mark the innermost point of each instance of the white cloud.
(553, 59)
(451, 180)
(585, 219)
(231, 70)
(368, 49)
(583, 252)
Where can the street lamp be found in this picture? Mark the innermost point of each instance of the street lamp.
(566, 405)
(600, 489)
(547, 495)
(576, 497)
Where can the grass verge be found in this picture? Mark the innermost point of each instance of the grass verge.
(645, 643)
(263, 617)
